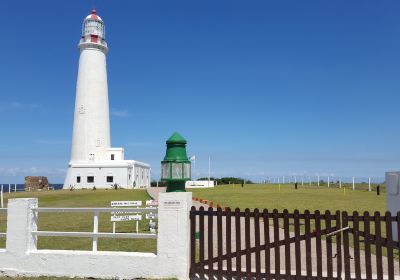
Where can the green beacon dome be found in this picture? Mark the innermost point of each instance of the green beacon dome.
(175, 168)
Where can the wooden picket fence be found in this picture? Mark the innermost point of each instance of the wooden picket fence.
(273, 245)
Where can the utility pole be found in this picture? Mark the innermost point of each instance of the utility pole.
(369, 184)
(209, 170)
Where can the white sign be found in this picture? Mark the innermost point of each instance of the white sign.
(151, 202)
(126, 203)
(199, 184)
(172, 204)
(126, 218)
(151, 216)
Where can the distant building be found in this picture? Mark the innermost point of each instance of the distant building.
(94, 163)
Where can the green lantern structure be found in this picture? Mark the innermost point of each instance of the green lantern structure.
(175, 168)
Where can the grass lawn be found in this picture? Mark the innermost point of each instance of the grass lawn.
(286, 197)
(84, 221)
(43, 278)
(48, 278)
(307, 197)
(250, 196)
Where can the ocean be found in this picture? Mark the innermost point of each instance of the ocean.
(21, 187)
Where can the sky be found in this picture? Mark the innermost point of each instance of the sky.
(263, 88)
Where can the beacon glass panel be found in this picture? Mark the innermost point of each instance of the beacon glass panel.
(176, 170)
(187, 170)
(165, 170)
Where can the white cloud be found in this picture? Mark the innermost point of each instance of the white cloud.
(15, 105)
(50, 141)
(138, 144)
(27, 171)
(119, 113)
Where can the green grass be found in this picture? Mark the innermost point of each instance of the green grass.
(42, 278)
(84, 221)
(286, 197)
(251, 196)
(52, 278)
(307, 197)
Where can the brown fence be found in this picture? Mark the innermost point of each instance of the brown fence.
(273, 245)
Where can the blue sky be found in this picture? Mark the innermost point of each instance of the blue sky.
(265, 88)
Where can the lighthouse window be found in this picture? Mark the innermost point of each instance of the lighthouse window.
(78, 179)
(112, 156)
(90, 179)
(110, 179)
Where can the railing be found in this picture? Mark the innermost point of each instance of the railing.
(95, 234)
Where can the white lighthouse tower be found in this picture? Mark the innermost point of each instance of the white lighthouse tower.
(93, 162)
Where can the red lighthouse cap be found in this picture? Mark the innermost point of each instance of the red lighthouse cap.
(94, 14)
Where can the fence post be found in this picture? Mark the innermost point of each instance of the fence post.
(21, 221)
(174, 228)
(95, 230)
(2, 198)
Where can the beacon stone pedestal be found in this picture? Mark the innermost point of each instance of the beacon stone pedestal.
(392, 181)
(172, 260)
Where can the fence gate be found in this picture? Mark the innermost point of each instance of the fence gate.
(273, 245)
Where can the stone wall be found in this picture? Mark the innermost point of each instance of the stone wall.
(33, 183)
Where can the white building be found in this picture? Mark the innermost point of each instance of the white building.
(94, 163)
(199, 184)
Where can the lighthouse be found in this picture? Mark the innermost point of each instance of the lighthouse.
(94, 163)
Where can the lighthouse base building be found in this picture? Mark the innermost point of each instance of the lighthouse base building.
(94, 163)
(128, 174)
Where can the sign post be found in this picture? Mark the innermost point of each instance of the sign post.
(150, 216)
